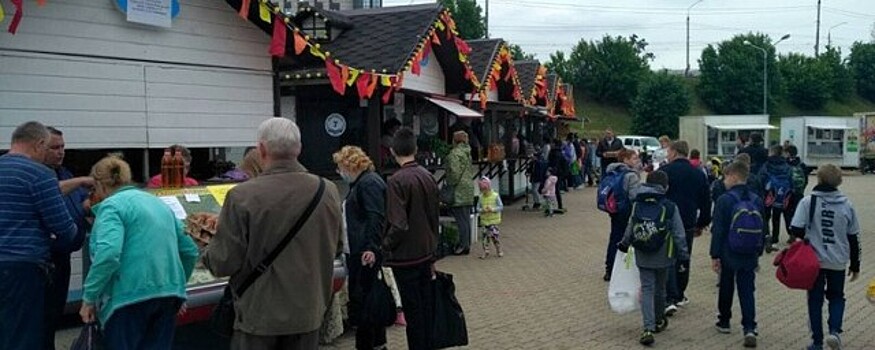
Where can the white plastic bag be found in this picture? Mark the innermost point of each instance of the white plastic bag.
(624, 291)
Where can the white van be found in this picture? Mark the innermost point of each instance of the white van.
(641, 144)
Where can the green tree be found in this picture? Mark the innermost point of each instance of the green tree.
(468, 16)
(610, 70)
(862, 64)
(560, 65)
(661, 99)
(731, 80)
(519, 54)
(808, 80)
(842, 79)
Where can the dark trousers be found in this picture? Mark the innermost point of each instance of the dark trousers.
(618, 229)
(559, 195)
(463, 221)
(587, 174)
(744, 279)
(830, 284)
(679, 274)
(417, 299)
(22, 305)
(301, 341)
(773, 216)
(361, 280)
(789, 211)
(56, 298)
(147, 325)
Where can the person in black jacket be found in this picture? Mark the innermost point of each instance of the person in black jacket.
(775, 204)
(688, 188)
(556, 160)
(608, 148)
(758, 153)
(365, 212)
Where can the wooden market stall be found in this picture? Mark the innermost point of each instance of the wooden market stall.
(344, 75)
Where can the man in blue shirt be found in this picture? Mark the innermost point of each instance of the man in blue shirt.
(33, 218)
(75, 193)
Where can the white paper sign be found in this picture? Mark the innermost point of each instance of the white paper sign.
(175, 206)
(192, 198)
(150, 12)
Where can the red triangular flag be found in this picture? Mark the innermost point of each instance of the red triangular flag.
(372, 86)
(300, 43)
(16, 18)
(362, 85)
(416, 68)
(244, 9)
(41, 3)
(278, 44)
(389, 90)
(344, 75)
(334, 76)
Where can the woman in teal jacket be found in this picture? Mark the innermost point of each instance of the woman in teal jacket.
(141, 260)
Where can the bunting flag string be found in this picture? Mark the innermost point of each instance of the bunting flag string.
(300, 42)
(353, 76)
(16, 18)
(335, 77)
(264, 12)
(244, 8)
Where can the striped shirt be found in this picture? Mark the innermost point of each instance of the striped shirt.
(31, 210)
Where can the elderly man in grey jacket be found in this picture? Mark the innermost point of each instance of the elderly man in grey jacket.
(284, 308)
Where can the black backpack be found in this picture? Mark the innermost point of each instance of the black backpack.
(650, 217)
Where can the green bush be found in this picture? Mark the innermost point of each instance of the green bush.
(662, 98)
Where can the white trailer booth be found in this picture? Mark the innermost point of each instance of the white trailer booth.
(716, 135)
(823, 140)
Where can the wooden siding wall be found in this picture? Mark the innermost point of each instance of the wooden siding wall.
(78, 65)
(430, 80)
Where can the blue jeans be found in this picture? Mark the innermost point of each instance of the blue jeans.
(830, 284)
(619, 221)
(147, 325)
(22, 305)
(744, 279)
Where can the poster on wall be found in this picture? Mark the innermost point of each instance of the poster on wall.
(150, 12)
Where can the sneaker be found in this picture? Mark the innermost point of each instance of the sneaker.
(500, 254)
(772, 248)
(750, 340)
(670, 310)
(723, 328)
(833, 341)
(684, 302)
(661, 325)
(646, 338)
(814, 347)
(607, 276)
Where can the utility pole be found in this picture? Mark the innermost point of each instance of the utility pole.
(687, 71)
(486, 20)
(817, 35)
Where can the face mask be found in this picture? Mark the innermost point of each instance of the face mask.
(346, 177)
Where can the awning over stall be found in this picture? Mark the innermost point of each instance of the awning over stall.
(455, 108)
(830, 127)
(742, 127)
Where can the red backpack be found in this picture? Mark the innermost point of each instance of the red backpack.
(798, 265)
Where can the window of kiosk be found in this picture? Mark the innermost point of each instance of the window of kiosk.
(722, 141)
(825, 142)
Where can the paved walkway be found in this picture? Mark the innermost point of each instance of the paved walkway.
(547, 292)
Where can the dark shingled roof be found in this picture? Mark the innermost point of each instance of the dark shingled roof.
(483, 53)
(527, 70)
(552, 79)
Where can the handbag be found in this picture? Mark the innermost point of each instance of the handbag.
(449, 324)
(448, 194)
(378, 307)
(798, 265)
(224, 315)
(89, 338)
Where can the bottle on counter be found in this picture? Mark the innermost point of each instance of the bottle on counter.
(166, 166)
(178, 170)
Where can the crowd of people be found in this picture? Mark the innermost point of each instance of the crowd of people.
(271, 239)
(661, 215)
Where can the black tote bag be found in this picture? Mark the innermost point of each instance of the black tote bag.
(449, 320)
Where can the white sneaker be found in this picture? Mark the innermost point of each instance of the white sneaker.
(671, 310)
(834, 342)
(684, 302)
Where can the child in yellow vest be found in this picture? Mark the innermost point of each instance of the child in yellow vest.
(490, 208)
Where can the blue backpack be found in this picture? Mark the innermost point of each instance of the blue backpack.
(746, 228)
(779, 186)
(649, 222)
(612, 198)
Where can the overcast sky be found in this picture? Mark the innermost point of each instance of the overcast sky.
(544, 26)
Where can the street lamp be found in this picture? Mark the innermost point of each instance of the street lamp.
(829, 34)
(687, 71)
(766, 71)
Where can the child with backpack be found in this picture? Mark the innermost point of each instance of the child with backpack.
(656, 231)
(738, 237)
(777, 188)
(827, 219)
(616, 191)
(799, 178)
(548, 191)
(490, 208)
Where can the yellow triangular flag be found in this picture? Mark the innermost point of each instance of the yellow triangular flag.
(385, 81)
(264, 12)
(2, 14)
(353, 76)
(316, 52)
